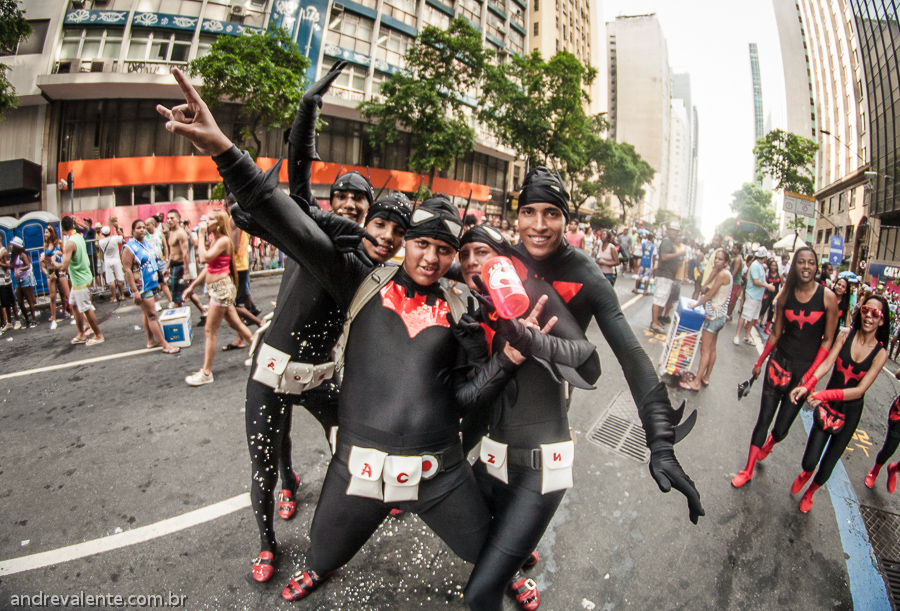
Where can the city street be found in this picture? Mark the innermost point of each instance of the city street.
(116, 478)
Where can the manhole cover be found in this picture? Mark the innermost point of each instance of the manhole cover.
(884, 534)
(619, 429)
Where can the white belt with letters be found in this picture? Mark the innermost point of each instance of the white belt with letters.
(275, 369)
(556, 460)
(378, 475)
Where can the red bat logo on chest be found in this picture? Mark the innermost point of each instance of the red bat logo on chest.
(848, 372)
(895, 409)
(567, 290)
(413, 311)
(778, 375)
(801, 318)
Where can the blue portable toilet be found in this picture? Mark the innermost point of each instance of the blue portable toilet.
(31, 229)
(8, 229)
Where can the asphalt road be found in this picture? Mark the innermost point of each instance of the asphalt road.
(94, 454)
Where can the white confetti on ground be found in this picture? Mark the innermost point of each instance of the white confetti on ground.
(586, 604)
(26, 542)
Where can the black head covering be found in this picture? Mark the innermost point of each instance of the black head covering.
(353, 181)
(436, 218)
(485, 234)
(394, 207)
(543, 186)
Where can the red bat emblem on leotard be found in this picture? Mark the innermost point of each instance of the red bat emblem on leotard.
(567, 290)
(895, 409)
(778, 375)
(848, 372)
(414, 312)
(801, 318)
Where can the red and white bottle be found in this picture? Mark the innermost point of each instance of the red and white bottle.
(505, 287)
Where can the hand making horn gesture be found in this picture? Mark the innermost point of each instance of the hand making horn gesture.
(193, 120)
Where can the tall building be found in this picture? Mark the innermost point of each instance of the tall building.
(681, 90)
(878, 44)
(640, 97)
(758, 120)
(842, 130)
(91, 74)
(679, 158)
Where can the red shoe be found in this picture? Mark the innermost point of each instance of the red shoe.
(766, 449)
(806, 503)
(301, 585)
(741, 478)
(892, 477)
(263, 569)
(801, 480)
(287, 506)
(872, 476)
(533, 559)
(526, 593)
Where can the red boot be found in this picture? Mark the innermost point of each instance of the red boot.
(302, 584)
(801, 480)
(767, 448)
(526, 593)
(873, 475)
(892, 477)
(806, 501)
(747, 474)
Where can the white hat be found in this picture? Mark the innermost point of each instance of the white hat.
(203, 217)
(97, 225)
(762, 253)
(17, 241)
(104, 230)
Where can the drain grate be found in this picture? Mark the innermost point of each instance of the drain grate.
(619, 429)
(884, 534)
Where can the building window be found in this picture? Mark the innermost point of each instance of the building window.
(828, 236)
(535, 6)
(401, 10)
(351, 32)
(392, 45)
(34, 44)
(89, 44)
(205, 43)
(469, 9)
(495, 25)
(535, 28)
(377, 80)
(516, 42)
(819, 237)
(350, 84)
(159, 45)
(433, 16)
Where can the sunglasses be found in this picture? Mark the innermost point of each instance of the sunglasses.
(870, 311)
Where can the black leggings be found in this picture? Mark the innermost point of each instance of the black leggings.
(521, 515)
(776, 397)
(268, 422)
(450, 504)
(891, 441)
(837, 443)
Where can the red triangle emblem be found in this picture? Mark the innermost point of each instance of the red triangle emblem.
(567, 290)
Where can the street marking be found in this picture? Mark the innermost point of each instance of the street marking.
(131, 537)
(98, 359)
(866, 583)
(631, 302)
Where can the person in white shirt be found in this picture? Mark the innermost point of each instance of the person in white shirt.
(112, 263)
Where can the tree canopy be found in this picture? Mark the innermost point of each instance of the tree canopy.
(754, 215)
(788, 159)
(264, 73)
(427, 99)
(13, 30)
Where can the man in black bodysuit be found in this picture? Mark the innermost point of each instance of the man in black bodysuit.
(543, 212)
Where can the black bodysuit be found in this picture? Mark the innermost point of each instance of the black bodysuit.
(892, 435)
(795, 351)
(846, 374)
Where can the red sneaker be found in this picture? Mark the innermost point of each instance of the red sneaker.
(872, 476)
(263, 569)
(526, 593)
(741, 478)
(301, 585)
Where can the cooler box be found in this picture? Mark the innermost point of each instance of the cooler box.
(177, 327)
(690, 319)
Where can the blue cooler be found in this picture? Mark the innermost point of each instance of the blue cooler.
(176, 326)
(690, 319)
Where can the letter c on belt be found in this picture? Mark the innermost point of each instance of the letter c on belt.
(402, 478)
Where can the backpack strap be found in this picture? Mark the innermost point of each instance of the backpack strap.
(369, 287)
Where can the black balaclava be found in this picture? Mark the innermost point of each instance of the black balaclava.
(543, 186)
(353, 181)
(394, 207)
(436, 218)
(485, 234)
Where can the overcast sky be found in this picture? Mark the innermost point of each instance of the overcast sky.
(710, 40)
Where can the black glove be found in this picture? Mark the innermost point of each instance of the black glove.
(659, 421)
(470, 335)
(302, 135)
(346, 235)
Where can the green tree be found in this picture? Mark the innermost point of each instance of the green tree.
(625, 175)
(263, 73)
(754, 217)
(603, 217)
(788, 159)
(536, 107)
(13, 30)
(426, 97)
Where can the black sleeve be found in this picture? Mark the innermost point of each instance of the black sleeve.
(483, 385)
(276, 212)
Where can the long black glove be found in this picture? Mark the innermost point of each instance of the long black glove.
(470, 335)
(346, 235)
(302, 135)
(659, 421)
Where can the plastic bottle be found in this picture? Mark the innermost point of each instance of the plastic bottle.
(505, 287)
